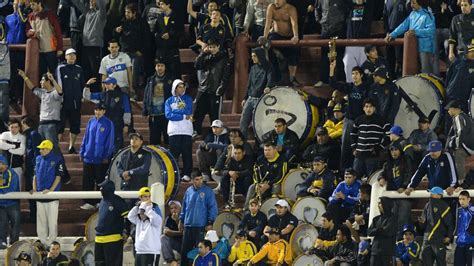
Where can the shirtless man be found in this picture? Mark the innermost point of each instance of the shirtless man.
(282, 20)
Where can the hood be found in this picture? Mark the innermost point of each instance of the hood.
(107, 188)
(176, 82)
(387, 205)
(262, 56)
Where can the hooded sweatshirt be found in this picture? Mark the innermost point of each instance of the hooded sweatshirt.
(147, 232)
(260, 76)
(177, 107)
(384, 230)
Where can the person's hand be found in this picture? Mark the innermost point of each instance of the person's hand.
(295, 39)
(446, 240)
(264, 187)
(32, 191)
(138, 53)
(319, 244)
(253, 234)
(450, 190)
(410, 33)
(388, 38)
(359, 219)
(421, 219)
(91, 81)
(46, 191)
(237, 242)
(189, 117)
(354, 153)
(180, 226)
(125, 130)
(266, 90)
(348, 224)
(400, 190)
(408, 191)
(382, 182)
(209, 227)
(126, 176)
(119, 29)
(234, 175)
(444, 7)
(310, 8)
(279, 148)
(21, 73)
(59, 53)
(124, 237)
(165, 36)
(314, 191)
(331, 262)
(32, 33)
(459, 189)
(246, 34)
(50, 255)
(50, 76)
(261, 40)
(342, 195)
(451, 56)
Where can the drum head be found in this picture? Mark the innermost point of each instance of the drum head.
(471, 104)
(302, 238)
(268, 207)
(91, 224)
(309, 210)
(22, 246)
(291, 182)
(84, 252)
(438, 82)
(226, 225)
(286, 103)
(308, 260)
(428, 98)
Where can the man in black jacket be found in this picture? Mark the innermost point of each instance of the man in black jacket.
(286, 141)
(461, 31)
(213, 74)
(325, 147)
(384, 231)
(55, 257)
(134, 165)
(320, 183)
(385, 93)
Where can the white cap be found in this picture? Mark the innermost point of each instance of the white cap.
(70, 51)
(211, 235)
(174, 202)
(282, 203)
(217, 123)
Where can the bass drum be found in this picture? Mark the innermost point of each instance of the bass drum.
(471, 104)
(91, 224)
(427, 91)
(291, 182)
(309, 210)
(308, 260)
(163, 169)
(84, 252)
(22, 246)
(302, 239)
(227, 224)
(375, 194)
(286, 103)
(268, 207)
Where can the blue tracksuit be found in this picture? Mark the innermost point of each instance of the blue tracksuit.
(465, 226)
(10, 184)
(199, 207)
(222, 249)
(440, 173)
(422, 22)
(351, 192)
(407, 253)
(47, 169)
(210, 259)
(98, 143)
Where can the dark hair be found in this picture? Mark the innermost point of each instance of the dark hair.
(160, 60)
(114, 41)
(280, 121)
(39, 2)
(213, 41)
(28, 121)
(195, 174)
(345, 231)
(366, 188)
(423, 3)
(370, 101)
(166, 2)
(14, 121)
(132, 7)
(56, 243)
(238, 132)
(269, 144)
(469, 1)
(212, 1)
(253, 201)
(45, 77)
(465, 193)
(358, 69)
(239, 147)
(206, 243)
(328, 216)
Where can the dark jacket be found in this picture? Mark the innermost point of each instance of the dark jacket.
(260, 76)
(388, 100)
(215, 142)
(397, 172)
(243, 167)
(330, 150)
(369, 67)
(356, 95)
(59, 260)
(325, 181)
(254, 223)
(344, 252)
(332, 16)
(394, 13)
(438, 221)
(440, 172)
(33, 140)
(98, 142)
(384, 230)
(71, 80)
(272, 171)
(461, 31)
(443, 19)
(215, 72)
(359, 21)
(172, 28)
(461, 133)
(221, 161)
(167, 81)
(138, 166)
(112, 212)
(361, 208)
(135, 36)
(290, 139)
(117, 104)
(460, 80)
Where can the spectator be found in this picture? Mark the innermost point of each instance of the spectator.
(242, 250)
(4, 80)
(275, 252)
(325, 147)
(172, 237)
(384, 231)
(95, 157)
(254, 22)
(373, 62)
(118, 65)
(71, 21)
(23, 259)
(385, 93)
(214, 74)
(359, 218)
(438, 227)
(198, 214)
(464, 230)
(134, 36)
(178, 110)
(55, 257)
(215, 29)
(461, 31)
(407, 250)
(420, 138)
(12, 145)
(146, 216)
(445, 177)
(335, 123)
(110, 226)
(281, 23)
(369, 138)
(134, 165)
(9, 209)
(157, 91)
(396, 138)
(219, 246)
(44, 25)
(284, 139)
(260, 80)
(48, 171)
(117, 106)
(343, 252)
(344, 197)
(51, 97)
(238, 175)
(253, 221)
(421, 24)
(167, 32)
(326, 236)
(284, 221)
(206, 256)
(236, 138)
(320, 183)
(151, 13)
(269, 171)
(71, 80)
(33, 140)
(213, 146)
(394, 13)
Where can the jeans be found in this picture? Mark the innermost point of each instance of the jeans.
(247, 115)
(460, 162)
(394, 60)
(17, 61)
(91, 57)
(183, 145)
(94, 174)
(206, 103)
(10, 217)
(50, 131)
(168, 244)
(191, 237)
(137, 71)
(147, 259)
(365, 166)
(463, 256)
(48, 62)
(158, 125)
(5, 102)
(426, 62)
(207, 159)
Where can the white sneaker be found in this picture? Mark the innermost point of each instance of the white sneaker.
(186, 178)
(87, 206)
(320, 84)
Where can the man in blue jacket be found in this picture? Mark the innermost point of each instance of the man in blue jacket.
(407, 249)
(197, 215)
(9, 209)
(421, 24)
(96, 151)
(465, 231)
(344, 197)
(206, 256)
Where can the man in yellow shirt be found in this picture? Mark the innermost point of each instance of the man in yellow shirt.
(276, 252)
(242, 250)
(335, 123)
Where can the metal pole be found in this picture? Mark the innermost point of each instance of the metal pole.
(66, 195)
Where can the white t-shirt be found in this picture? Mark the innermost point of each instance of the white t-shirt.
(117, 68)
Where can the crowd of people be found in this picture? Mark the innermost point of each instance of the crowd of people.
(128, 51)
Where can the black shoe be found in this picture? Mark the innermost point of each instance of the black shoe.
(294, 82)
(72, 150)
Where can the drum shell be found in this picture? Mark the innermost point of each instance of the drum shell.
(91, 224)
(84, 252)
(308, 260)
(268, 207)
(231, 221)
(309, 210)
(289, 184)
(21, 246)
(471, 104)
(302, 239)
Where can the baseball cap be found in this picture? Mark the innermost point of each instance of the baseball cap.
(282, 203)
(319, 158)
(217, 123)
(135, 134)
(3, 159)
(408, 228)
(337, 108)
(364, 245)
(241, 233)
(211, 235)
(70, 51)
(381, 72)
(434, 146)
(24, 256)
(46, 144)
(105, 182)
(397, 130)
(110, 80)
(470, 47)
(144, 191)
(453, 104)
(321, 131)
(100, 105)
(436, 191)
(350, 171)
(171, 202)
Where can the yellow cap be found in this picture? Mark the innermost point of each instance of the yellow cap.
(46, 144)
(144, 191)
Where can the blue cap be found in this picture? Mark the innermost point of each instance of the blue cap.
(3, 159)
(363, 245)
(110, 80)
(408, 228)
(397, 130)
(436, 191)
(435, 145)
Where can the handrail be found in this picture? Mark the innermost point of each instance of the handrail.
(66, 195)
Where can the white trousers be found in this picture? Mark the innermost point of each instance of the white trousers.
(354, 56)
(47, 221)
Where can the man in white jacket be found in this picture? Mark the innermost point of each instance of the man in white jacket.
(12, 145)
(148, 221)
